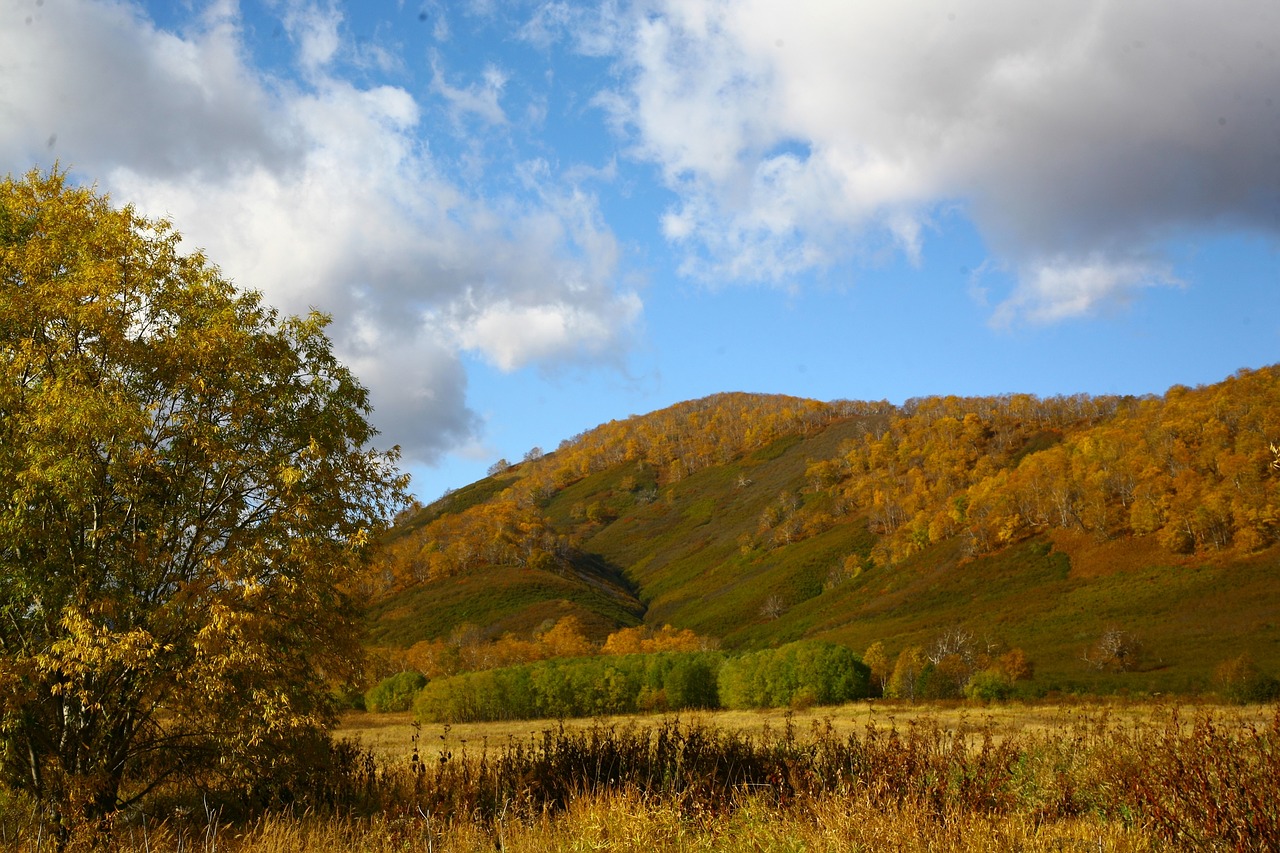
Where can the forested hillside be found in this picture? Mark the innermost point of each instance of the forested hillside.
(1054, 525)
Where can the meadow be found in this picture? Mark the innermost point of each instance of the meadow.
(870, 776)
(393, 736)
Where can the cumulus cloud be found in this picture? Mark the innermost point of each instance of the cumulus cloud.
(320, 193)
(98, 84)
(1078, 136)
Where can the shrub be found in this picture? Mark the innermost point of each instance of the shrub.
(1241, 680)
(989, 685)
(348, 698)
(394, 693)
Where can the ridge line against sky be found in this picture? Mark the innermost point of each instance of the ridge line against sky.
(528, 218)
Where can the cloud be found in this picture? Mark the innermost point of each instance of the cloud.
(320, 193)
(98, 84)
(315, 32)
(479, 99)
(512, 335)
(1058, 289)
(596, 30)
(1076, 136)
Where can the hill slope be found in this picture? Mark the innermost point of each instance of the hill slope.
(754, 520)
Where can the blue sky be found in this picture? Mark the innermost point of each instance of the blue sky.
(529, 218)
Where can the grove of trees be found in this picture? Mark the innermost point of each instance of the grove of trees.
(808, 672)
(955, 665)
(578, 687)
(466, 649)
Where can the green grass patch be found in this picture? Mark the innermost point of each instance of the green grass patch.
(500, 598)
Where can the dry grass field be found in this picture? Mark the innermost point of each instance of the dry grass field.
(870, 776)
(391, 737)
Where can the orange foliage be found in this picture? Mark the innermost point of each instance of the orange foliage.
(566, 640)
(465, 650)
(644, 640)
(1192, 469)
(677, 441)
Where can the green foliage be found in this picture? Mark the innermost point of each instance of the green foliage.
(395, 692)
(348, 697)
(186, 487)
(504, 598)
(808, 672)
(988, 685)
(580, 687)
(692, 682)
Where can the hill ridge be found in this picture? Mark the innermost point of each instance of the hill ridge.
(755, 519)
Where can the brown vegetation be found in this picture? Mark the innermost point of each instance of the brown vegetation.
(1162, 781)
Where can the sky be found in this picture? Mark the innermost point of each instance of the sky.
(530, 218)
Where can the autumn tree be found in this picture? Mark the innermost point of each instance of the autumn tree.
(1117, 650)
(645, 639)
(186, 482)
(1241, 680)
(909, 674)
(566, 638)
(881, 666)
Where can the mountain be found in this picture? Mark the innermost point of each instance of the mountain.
(1054, 525)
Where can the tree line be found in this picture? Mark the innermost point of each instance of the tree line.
(804, 673)
(467, 649)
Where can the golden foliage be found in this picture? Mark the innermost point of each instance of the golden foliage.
(185, 486)
(644, 639)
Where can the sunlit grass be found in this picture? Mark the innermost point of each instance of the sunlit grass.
(391, 737)
(626, 824)
(870, 776)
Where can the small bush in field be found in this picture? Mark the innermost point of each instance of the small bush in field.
(394, 693)
(989, 685)
(1241, 680)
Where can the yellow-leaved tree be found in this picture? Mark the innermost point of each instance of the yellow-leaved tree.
(186, 482)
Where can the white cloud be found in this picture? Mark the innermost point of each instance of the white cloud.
(511, 335)
(97, 84)
(315, 32)
(595, 30)
(481, 99)
(1058, 289)
(321, 194)
(798, 135)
